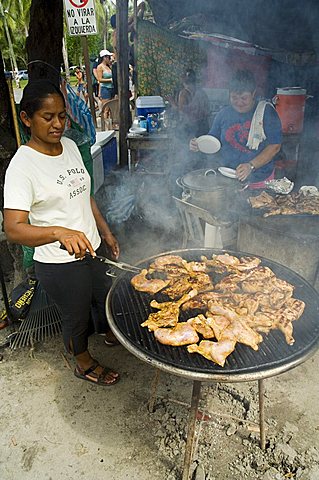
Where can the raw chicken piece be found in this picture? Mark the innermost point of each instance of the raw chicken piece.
(143, 284)
(182, 334)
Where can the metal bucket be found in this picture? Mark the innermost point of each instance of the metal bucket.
(208, 189)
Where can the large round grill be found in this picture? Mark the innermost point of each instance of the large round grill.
(128, 308)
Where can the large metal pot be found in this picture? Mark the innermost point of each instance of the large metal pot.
(208, 189)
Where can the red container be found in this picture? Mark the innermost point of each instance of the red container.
(290, 105)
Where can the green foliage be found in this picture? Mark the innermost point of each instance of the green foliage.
(17, 15)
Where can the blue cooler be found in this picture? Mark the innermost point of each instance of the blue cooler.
(107, 141)
(148, 105)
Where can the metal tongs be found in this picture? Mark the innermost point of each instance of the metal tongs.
(120, 265)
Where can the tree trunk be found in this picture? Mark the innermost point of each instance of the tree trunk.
(44, 43)
(122, 75)
(8, 145)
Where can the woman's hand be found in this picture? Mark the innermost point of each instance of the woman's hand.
(75, 242)
(243, 171)
(112, 244)
(193, 145)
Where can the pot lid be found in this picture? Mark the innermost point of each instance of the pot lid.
(207, 180)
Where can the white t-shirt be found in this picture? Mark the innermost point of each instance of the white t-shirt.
(56, 192)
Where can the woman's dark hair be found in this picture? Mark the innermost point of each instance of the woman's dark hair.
(34, 93)
(242, 81)
(113, 21)
(189, 77)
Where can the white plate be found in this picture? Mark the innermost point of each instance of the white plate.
(138, 130)
(227, 172)
(208, 144)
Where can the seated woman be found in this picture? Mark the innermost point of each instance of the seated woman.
(249, 132)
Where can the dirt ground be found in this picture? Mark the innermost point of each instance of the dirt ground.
(57, 427)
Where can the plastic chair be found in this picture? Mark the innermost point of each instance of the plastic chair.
(200, 228)
(110, 115)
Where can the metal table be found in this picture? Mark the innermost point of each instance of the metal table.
(127, 308)
(150, 141)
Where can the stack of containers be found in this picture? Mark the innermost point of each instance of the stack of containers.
(149, 107)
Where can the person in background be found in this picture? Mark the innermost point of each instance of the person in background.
(95, 83)
(104, 75)
(193, 107)
(249, 132)
(81, 87)
(47, 205)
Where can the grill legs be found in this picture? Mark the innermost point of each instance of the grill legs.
(261, 394)
(191, 430)
(152, 399)
(193, 415)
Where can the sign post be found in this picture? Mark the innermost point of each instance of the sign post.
(81, 21)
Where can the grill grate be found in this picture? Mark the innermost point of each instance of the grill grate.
(128, 308)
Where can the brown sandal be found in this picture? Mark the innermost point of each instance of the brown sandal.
(96, 378)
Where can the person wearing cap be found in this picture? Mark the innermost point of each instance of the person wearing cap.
(104, 75)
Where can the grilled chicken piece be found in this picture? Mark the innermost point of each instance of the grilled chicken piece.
(283, 318)
(168, 314)
(178, 287)
(294, 308)
(201, 300)
(263, 200)
(237, 329)
(259, 273)
(247, 263)
(201, 326)
(218, 323)
(267, 286)
(200, 282)
(143, 284)
(285, 325)
(260, 322)
(215, 351)
(182, 334)
(194, 267)
(168, 260)
(231, 283)
(231, 263)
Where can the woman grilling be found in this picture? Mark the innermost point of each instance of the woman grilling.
(249, 132)
(47, 204)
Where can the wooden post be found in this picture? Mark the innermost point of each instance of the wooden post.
(14, 112)
(122, 74)
(135, 51)
(84, 42)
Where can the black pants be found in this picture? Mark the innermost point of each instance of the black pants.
(79, 289)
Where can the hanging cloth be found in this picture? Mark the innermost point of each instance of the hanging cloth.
(256, 133)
